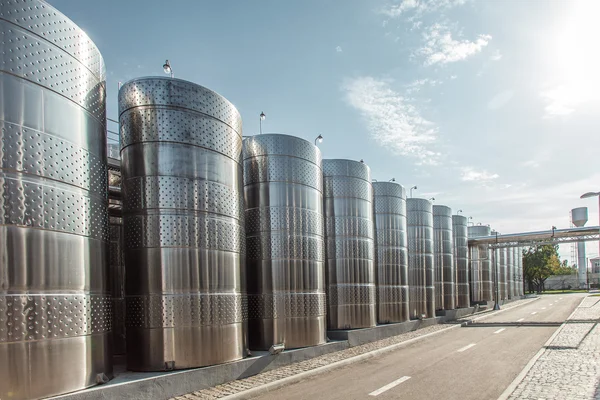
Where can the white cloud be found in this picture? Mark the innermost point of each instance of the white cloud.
(391, 118)
(469, 174)
(420, 7)
(417, 84)
(338, 49)
(440, 48)
(499, 100)
(530, 164)
(564, 99)
(453, 76)
(496, 56)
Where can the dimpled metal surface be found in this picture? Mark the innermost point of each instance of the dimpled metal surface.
(55, 307)
(443, 244)
(391, 255)
(461, 260)
(421, 272)
(283, 187)
(518, 274)
(510, 273)
(350, 246)
(183, 225)
(481, 266)
(502, 289)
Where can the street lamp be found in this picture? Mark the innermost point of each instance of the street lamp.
(392, 180)
(469, 221)
(262, 118)
(458, 212)
(168, 69)
(432, 199)
(411, 189)
(319, 139)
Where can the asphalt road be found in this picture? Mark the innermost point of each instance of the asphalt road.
(476, 362)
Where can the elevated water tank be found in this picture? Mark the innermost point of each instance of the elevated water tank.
(579, 217)
(283, 186)
(443, 245)
(55, 307)
(420, 258)
(389, 202)
(183, 219)
(461, 260)
(350, 267)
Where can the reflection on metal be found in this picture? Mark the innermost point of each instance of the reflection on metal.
(420, 258)
(510, 273)
(527, 239)
(461, 260)
(116, 276)
(350, 245)
(443, 244)
(389, 203)
(54, 302)
(283, 186)
(518, 265)
(184, 242)
(481, 272)
(502, 274)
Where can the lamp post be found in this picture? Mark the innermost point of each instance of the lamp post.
(458, 212)
(319, 139)
(168, 69)
(392, 180)
(432, 199)
(262, 118)
(411, 189)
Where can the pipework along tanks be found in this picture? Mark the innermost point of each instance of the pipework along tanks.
(184, 241)
(420, 258)
(283, 185)
(461, 260)
(443, 244)
(481, 266)
(54, 300)
(391, 255)
(350, 250)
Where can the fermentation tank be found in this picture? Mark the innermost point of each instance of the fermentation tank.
(350, 267)
(184, 241)
(510, 273)
(55, 317)
(391, 255)
(518, 272)
(461, 260)
(443, 244)
(421, 294)
(283, 186)
(502, 279)
(481, 266)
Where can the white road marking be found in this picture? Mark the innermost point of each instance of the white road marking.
(519, 320)
(467, 347)
(389, 386)
(500, 330)
(533, 313)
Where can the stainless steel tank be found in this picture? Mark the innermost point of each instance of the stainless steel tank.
(482, 287)
(420, 258)
(510, 273)
(183, 218)
(391, 255)
(283, 185)
(518, 261)
(55, 314)
(350, 249)
(461, 260)
(502, 286)
(443, 246)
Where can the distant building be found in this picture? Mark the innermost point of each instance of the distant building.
(594, 275)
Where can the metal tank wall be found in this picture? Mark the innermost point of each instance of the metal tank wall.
(420, 258)
(55, 313)
(391, 255)
(502, 273)
(443, 243)
(183, 217)
(481, 266)
(283, 186)
(350, 249)
(510, 273)
(461, 260)
(519, 272)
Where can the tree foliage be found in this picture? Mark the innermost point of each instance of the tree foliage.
(539, 262)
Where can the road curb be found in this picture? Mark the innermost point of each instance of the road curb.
(268, 387)
(513, 385)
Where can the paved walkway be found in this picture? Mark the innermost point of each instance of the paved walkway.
(569, 367)
(242, 385)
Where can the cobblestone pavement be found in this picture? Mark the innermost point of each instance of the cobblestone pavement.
(241, 385)
(569, 368)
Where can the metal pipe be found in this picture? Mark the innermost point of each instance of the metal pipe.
(576, 234)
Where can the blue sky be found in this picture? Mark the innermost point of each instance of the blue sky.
(489, 106)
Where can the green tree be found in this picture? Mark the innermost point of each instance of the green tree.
(539, 262)
(564, 269)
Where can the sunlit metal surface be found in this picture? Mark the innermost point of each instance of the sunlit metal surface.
(510, 273)
(481, 266)
(461, 260)
(55, 317)
(502, 274)
(183, 220)
(350, 267)
(443, 246)
(391, 255)
(420, 258)
(283, 186)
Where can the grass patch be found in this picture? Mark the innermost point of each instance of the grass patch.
(565, 291)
